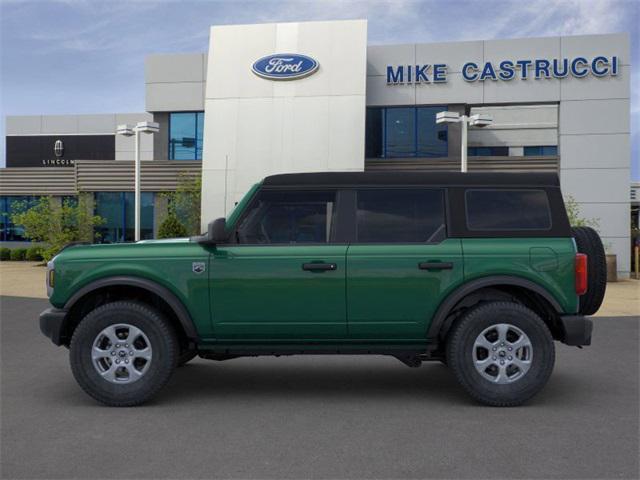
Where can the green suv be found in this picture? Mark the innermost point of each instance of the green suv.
(481, 272)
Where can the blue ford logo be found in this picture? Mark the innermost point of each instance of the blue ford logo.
(284, 66)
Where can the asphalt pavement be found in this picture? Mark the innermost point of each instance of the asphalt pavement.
(318, 417)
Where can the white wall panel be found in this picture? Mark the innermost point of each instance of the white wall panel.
(175, 97)
(381, 94)
(59, 124)
(520, 91)
(266, 127)
(594, 117)
(379, 56)
(521, 49)
(612, 220)
(454, 90)
(174, 68)
(595, 151)
(597, 185)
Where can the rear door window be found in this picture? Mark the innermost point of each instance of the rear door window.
(504, 210)
(400, 215)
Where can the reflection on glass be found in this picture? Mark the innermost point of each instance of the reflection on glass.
(185, 135)
(117, 208)
(405, 132)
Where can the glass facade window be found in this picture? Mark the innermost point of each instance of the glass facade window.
(9, 232)
(405, 132)
(488, 151)
(541, 151)
(117, 208)
(185, 135)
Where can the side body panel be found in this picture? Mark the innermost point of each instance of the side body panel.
(169, 264)
(262, 292)
(389, 297)
(549, 262)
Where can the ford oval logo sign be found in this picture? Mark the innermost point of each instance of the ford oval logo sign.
(285, 66)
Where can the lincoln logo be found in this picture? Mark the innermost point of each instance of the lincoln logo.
(58, 148)
(285, 66)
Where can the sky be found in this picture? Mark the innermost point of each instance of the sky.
(87, 56)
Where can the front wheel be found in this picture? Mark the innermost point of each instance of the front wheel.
(123, 353)
(502, 353)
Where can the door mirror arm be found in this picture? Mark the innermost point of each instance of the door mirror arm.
(216, 233)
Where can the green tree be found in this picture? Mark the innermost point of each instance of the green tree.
(171, 227)
(57, 224)
(184, 203)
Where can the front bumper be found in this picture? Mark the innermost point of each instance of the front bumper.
(576, 330)
(52, 324)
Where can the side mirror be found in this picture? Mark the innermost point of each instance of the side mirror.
(216, 233)
(217, 230)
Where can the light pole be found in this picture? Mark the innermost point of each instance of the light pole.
(477, 120)
(128, 131)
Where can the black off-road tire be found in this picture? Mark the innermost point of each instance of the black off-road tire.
(588, 242)
(460, 346)
(164, 347)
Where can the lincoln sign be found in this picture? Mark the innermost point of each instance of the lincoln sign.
(506, 70)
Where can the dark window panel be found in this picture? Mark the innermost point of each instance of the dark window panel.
(541, 151)
(506, 210)
(289, 218)
(374, 131)
(399, 215)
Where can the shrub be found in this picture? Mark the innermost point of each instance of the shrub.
(184, 203)
(33, 254)
(18, 254)
(5, 253)
(55, 224)
(171, 228)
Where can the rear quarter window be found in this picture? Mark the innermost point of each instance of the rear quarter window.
(507, 210)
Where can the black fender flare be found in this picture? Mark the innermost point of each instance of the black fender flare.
(440, 317)
(167, 295)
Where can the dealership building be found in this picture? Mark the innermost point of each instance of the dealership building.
(313, 96)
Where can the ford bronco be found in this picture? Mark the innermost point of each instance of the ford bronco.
(479, 271)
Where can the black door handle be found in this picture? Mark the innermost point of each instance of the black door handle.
(435, 265)
(319, 267)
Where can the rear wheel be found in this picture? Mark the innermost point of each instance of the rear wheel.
(588, 242)
(123, 353)
(502, 353)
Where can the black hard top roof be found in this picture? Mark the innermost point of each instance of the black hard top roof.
(414, 178)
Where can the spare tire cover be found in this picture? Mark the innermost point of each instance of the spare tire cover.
(588, 242)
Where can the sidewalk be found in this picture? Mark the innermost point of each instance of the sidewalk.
(26, 279)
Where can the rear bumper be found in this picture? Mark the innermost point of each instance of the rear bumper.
(52, 324)
(576, 330)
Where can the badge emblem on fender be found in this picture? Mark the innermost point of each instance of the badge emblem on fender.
(198, 267)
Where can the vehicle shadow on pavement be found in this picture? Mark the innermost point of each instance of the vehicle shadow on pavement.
(432, 383)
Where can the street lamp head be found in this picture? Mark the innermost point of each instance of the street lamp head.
(447, 117)
(148, 127)
(480, 120)
(124, 129)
